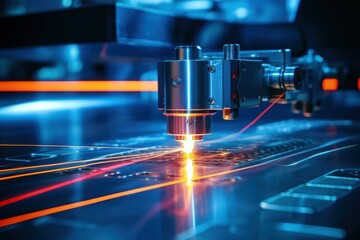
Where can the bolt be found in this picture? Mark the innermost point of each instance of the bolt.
(175, 81)
(211, 100)
(211, 69)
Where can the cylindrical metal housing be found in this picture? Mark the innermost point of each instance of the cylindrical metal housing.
(292, 78)
(192, 93)
(231, 51)
(182, 125)
(188, 85)
(279, 78)
(187, 52)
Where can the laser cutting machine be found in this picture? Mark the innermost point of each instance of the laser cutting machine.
(85, 152)
(193, 88)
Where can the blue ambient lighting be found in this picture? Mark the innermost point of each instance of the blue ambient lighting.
(42, 106)
(319, 231)
(242, 12)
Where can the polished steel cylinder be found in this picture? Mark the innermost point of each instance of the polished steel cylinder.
(187, 88)
(231, 51)
(279, 78)
(292, 78)
(183, 125)
(188, 52)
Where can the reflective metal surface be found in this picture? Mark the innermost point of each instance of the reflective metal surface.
(84, 151)
(136, 184)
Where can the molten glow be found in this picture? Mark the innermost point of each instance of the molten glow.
(330, 84)
(78, 86)
(189, 170)
(188, 144)
(358, 83)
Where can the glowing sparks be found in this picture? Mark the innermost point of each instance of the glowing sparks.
(189, 170)
(188, 144)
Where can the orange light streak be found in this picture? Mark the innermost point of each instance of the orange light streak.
(358, 83)
(53, 210)
(69, 182)
(62, 169)
(248, 125)
(79, 86)
(44, 212)
(41, 213)
(330, 84)
(129, 156)
(63, 146)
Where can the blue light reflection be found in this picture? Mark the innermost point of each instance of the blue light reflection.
(44, 106)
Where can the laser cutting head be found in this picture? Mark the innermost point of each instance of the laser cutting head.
(192, 88)
(184, 89)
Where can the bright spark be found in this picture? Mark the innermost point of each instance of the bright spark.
(189, 170)
(188, 144)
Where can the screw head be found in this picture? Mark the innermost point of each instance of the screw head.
(211, 100)
(175, 81)
(211, 69)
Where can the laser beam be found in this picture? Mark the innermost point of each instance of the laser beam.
(69, 182)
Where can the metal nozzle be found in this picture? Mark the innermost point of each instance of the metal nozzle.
(182, 125)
